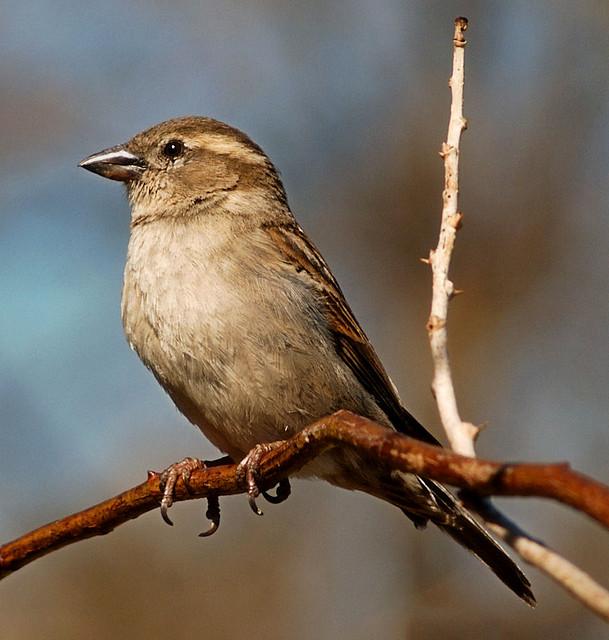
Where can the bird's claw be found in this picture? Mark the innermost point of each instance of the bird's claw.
(169, 478)
(213, 515)
(248, 473)
(281, 493)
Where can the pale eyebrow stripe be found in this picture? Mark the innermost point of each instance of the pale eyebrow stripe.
(218, 143)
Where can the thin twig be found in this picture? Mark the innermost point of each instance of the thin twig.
(462, 435)
(535, 552)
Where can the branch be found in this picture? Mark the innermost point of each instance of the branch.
(462, 435)
(375, 442)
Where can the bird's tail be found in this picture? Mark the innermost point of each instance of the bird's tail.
(431, 501)
(468, 532)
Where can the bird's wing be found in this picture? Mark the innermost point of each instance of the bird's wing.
(352, 344)
(435, 502)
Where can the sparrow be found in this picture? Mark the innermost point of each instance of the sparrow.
(233, 309)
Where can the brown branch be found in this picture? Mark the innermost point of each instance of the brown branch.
(342, 429)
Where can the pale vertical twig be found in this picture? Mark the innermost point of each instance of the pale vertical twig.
(462, 435)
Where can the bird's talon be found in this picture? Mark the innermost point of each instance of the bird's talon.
(281, 493)
(164, 506)
(247, 472)
(169, 478)
(213, 515)
(213, 527)
(254, 507)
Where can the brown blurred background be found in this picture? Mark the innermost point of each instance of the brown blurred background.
(351, 101)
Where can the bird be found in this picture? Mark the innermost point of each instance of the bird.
(233, 309)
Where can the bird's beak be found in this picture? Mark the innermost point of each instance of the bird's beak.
(115, 163)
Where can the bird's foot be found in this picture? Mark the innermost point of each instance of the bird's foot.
(248, 472)
(168, 479)
(281, 493)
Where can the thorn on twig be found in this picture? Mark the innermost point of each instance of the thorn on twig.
(479, 429)
(445, 150)
(425, 260)
(471, 430)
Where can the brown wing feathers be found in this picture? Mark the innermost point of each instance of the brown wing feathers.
(351, 341)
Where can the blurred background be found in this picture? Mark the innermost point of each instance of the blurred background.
(351, 102)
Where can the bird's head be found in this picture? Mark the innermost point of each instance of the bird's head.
(188, 165)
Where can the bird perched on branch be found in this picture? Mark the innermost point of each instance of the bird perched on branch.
(233, 309)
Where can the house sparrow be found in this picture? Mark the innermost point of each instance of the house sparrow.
(233, 309)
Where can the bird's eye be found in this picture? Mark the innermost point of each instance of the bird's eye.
(173, 149)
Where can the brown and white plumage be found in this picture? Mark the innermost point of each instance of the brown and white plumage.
(238, 316)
